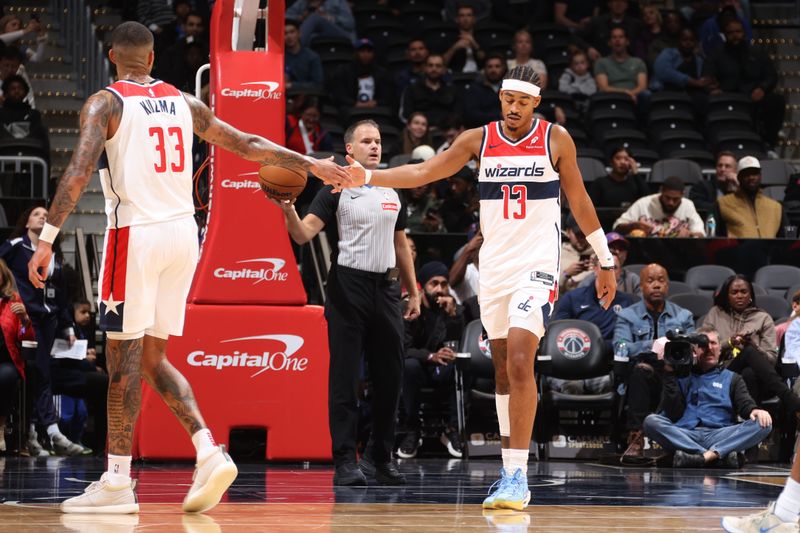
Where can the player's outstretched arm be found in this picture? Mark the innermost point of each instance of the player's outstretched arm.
(563, 148)
(443, 165)
(97, 112)
(256, 148)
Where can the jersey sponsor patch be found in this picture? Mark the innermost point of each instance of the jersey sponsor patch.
(389, 206)
(543, 277)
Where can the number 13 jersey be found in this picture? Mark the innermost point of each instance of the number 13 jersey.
(520, 211)
(146, 167)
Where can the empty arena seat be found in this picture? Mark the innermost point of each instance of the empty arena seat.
(675, 140)
(612, 101)
(791, 291)
(758, 290)
(707, 278)
(490, 34)
(663, 121)
(634, 268)
(591, 168)
(719, 121)
(688, 171)
(741, 143)
(680, 287)
(776, 306)
(549, 35)
(777, 279)
(729, 102)
(703, 157)
(776, 172)
(439, 36)
(632, 139)
(672, 102)
(697, 304)
(330, 45)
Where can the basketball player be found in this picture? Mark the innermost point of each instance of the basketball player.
(141, 131)
(523, 165)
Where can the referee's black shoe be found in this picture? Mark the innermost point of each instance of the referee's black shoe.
(349, 475)
(384, 473)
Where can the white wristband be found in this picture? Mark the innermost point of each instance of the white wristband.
(49, 233)
(367, 175)
(600, 246)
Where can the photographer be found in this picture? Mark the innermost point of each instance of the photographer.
(697, 415)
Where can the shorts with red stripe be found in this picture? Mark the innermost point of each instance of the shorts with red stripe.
(528, 308)
(145, 278)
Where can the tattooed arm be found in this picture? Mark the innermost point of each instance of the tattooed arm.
(257, 148)
(100, 109)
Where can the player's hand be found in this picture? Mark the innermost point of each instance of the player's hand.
(357, 172)
(607, 287)
(412, 307)
(39, 264)
(762, 417)
(287, 206)
(331, 174)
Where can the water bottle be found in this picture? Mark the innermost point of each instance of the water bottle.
(711, 226)
(621, 353)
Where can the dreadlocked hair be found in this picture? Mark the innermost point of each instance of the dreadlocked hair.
(523, 73)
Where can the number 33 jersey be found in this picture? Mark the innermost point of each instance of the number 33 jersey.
(520, 211)
(146, 167)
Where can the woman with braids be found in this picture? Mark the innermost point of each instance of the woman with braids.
(524, 164)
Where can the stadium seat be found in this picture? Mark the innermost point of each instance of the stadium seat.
(633, 139)
(776, 172)
(729, 102)
(551, 99)
(697, 304)
(680, 287)
(688, 171)
(791, 291)
(371, 16)
(414, 15)
(331, 45)
(776, 279)
(385, 35)
(481, 366)
(663, 121)
(439, 35)
(646, 157)
(634, 268)
(604, 120)
(549, 36)
(489, 34)
(594, 153)
(720, 121)
(776, 306)
(758, 290)
(612, 101)
(671, 101)
(579, 137)
(399, 159)
(556, 58)
(707, 278)
(673, 140)
(741, 143)
(591, 168)
(703, 157)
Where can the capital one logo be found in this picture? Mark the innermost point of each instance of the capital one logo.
(244, 182)
(282, 360)
(255, 272)
(257, 90)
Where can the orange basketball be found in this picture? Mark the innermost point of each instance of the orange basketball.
(281, 183)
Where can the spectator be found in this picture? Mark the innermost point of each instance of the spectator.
(302, 66)
(651, 30)
(681, 69)
(11, 64)
(780, 329)
(481, 9)
(635, 333)
(304, 133)
(623, 185)
(698, 413)
(482, 99)
(705, 193)
(16, 327)
(792, 338)
(179, 63)
(627, 282)
(50, 316)
(465, 55)
(428, 362)
(18, 119)
(523, 55)
(416, 55)
(159, 17)
(186, 21)
(575, 253)
(459, 208)
(577, 80)
(619, 72)
(575, 14)
(748, 213)
(464, 274)
(739, 67)
(711, 31)
(452, 128)
(416, 132)
(669, 36)
(665, 214)
(11, 31)
(599, 33)
(434, 97)
(423, 210)
(362, 84)
(322, 18)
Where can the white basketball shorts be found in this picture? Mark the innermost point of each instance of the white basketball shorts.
(528, 308)
(145, 278)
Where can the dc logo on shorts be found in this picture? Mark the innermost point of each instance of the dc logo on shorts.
(525, 306)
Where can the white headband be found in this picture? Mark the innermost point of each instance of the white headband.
(521, 86)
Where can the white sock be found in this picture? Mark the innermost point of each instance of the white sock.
(518, 459)
(507, 460)
(119, 469)
(53, 431)
(203, 441)
(788, 505)
(501, 404)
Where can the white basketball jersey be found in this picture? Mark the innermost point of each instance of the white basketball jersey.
(146, 167)
(520, 211)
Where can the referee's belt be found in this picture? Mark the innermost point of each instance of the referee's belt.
(391, 274)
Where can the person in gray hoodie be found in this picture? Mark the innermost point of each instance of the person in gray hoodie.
(577, 80)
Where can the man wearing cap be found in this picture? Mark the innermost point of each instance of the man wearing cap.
(748, 213)
(575, 252)
(627, 282)
(665, 214)
(428, 361)
(362, 84)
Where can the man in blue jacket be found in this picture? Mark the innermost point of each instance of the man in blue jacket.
(638, 326)
(697, 416)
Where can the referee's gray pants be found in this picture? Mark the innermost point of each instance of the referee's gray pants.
(364, 319)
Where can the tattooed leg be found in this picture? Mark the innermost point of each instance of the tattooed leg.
(170, 384)
(124, 393)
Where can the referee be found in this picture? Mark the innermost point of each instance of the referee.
(371, 254)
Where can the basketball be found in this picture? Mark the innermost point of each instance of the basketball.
(281, 183)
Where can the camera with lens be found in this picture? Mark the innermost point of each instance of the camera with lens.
(679, 351)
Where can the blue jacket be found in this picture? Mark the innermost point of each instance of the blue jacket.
(635, 325)
(303, 69)
(340, 10)
(666, 73)
(581, 304)
(38, 302)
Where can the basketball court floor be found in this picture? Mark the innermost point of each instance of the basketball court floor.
(441, 495)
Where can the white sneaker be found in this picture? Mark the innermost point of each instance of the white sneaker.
(103, 497)
(100, 523)
(759, 523)
(34, 448)
(65, 447)
(211, 479)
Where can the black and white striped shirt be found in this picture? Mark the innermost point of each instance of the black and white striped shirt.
(366, 218)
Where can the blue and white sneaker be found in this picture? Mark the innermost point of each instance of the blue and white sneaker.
(514, 493)
(496, 487)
